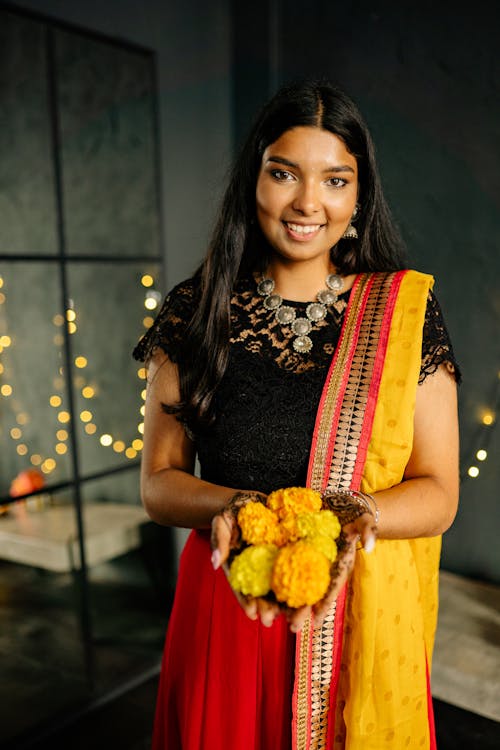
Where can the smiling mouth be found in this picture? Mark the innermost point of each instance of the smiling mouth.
(302, 229)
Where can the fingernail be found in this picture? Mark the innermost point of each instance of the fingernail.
(216, 559)
(370, 544)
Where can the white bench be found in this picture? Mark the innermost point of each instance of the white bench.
(48, 538)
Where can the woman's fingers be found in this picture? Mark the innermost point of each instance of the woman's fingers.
(363, 528)
(268, 611)
(224, 529)
(297, 617)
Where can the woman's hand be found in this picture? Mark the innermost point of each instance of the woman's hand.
(357, 526)
(225, 538)
(362, 530)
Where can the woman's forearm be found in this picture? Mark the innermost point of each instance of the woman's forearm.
(418, 507)
(173, 497)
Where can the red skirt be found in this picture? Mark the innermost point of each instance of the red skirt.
(226, 681)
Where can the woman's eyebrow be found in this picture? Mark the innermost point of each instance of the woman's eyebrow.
(281, 160)
(288, 163)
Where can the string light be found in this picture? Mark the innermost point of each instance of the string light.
(487, 421)
(152, 300)
(49, 464)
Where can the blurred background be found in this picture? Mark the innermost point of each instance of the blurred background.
(118, 123)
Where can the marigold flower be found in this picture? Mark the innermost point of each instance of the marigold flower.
(293, 501)
(251, 571)
(324, 544)
(260, 525)
(311, 525)
(301, 574)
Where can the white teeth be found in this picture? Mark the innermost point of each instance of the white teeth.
(301, 229)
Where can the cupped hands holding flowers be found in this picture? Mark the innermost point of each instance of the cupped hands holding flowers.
(288, 552)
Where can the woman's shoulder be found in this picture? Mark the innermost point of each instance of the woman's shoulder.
(169, 326)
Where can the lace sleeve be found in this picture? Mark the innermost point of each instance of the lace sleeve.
(170, 324)
(436, 344)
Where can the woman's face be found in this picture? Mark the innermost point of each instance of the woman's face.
(306, 192)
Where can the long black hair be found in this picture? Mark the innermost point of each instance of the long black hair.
(238, 247)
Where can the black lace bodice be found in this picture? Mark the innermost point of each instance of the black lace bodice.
(266, 403)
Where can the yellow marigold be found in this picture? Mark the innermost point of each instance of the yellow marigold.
(251, 571)
(321, 522)
(310, 525)
(324, 544)
(294, 500)
(260, 525)
(301, 574)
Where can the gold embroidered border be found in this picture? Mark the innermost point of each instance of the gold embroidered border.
(348, 432)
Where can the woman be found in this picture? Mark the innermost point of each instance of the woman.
(355, 392)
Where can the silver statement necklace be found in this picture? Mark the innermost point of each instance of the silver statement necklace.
(315, 311)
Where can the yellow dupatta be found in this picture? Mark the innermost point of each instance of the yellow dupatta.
(379, 694)
(391, 610)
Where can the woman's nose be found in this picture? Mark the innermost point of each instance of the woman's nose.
(307, 200)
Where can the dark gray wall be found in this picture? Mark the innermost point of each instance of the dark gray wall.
(426, 76)
(192, 43)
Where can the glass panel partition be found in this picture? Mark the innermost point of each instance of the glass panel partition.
(85, 578)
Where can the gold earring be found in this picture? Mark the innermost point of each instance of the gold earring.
(351, 233)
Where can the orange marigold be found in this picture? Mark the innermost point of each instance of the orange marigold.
(260, 525)
(301, 575)
(294, 500)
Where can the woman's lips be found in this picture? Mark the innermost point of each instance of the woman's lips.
(302, 232)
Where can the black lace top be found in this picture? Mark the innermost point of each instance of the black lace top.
(266, 403)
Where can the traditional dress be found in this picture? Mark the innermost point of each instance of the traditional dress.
(281, 419)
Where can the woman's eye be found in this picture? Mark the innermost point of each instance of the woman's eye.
(337, 182)
(281, 175)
